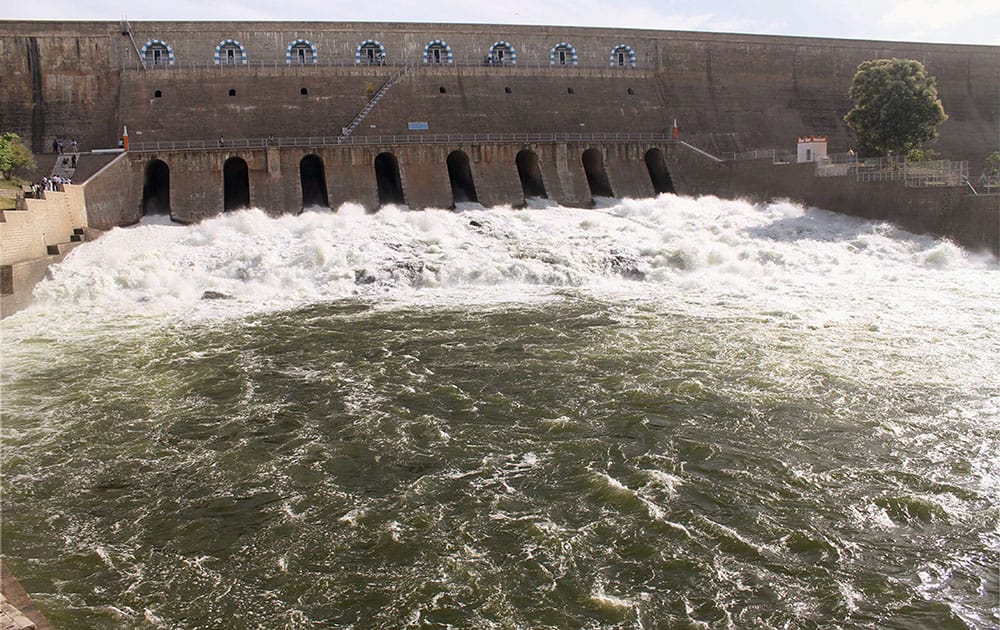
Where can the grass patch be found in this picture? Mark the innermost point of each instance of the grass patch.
(9, 188)
(11, 184)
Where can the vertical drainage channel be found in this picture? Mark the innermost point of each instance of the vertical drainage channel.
(236, 184)
(312, 176)
(463, 188)
(656, 164)
(390, 186)
(597, 176)
(37, 97)
(156, 188)
(530, 174)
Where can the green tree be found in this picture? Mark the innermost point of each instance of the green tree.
(896, 106)
(993, 164)
(921, 155)
(14, 155)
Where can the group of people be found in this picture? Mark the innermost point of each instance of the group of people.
(57, 146)
(54, 183)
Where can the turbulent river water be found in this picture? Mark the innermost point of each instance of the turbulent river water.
(666, 413)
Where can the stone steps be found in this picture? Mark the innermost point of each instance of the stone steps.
(64, 166)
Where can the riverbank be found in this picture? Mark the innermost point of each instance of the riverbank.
(17, 611)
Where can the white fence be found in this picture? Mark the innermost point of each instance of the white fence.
(926, 174)
(760, 154)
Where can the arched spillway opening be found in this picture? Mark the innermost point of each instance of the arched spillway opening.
(236, 184)
(390, 186)
(156, 188)
(312, 175)
(656, 164)
(597, 176)
(530, 174)
(463, 188)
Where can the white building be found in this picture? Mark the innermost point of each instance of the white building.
(811, 148)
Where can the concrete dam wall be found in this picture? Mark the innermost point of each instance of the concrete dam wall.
(200, 80)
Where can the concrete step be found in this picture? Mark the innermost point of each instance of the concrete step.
(60, 249)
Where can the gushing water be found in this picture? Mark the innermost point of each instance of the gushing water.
(671, 412)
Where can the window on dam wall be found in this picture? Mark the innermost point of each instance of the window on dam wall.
(390, 186)
(597, 177)
(235, 184)
(312, 176)
(438, 51)
(157, 52)
(370, 51)
(623, 56)
(530, 174)
(230, 52)
(156, 188)
(502, 54)
(563, 54)
(301, 52)
(656, 164)
(463, 188)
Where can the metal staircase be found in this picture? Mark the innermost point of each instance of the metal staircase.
(126, 29)
(393, 80)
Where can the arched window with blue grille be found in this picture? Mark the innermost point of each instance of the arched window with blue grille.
(502, 54)
(622, 56)
(230, 52)
(438, 51)
(157, 52)
(301, 51)
(563, 54)
(370, 51)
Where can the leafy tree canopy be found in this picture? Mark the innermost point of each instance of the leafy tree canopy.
(896, 106)
(14, 155)
(993, 164)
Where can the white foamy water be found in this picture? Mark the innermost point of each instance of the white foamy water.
(778, 257)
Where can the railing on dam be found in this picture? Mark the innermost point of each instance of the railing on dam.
(134, 64)
(914, 174)
(390, 140)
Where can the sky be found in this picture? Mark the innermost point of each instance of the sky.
(938, 21)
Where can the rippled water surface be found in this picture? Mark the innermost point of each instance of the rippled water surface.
(664, 413)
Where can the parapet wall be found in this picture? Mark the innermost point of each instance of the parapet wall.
(42, 232)
(970, 220)
(28, 234)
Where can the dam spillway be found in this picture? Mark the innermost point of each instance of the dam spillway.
(191, 183)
